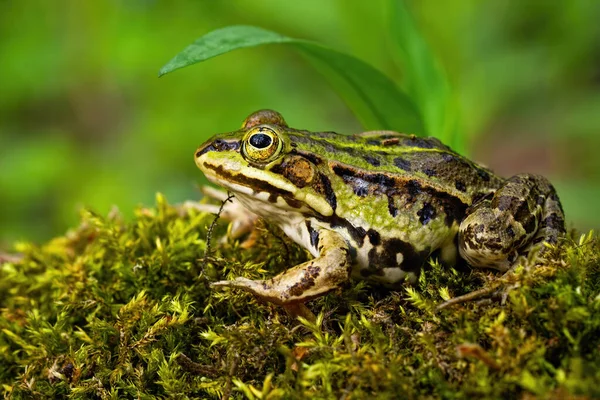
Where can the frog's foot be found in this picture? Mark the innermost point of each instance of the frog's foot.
(305, 281)
(242, 220)
(514, 223)
(263, 292)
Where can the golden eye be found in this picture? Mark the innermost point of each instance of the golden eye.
(262, 145)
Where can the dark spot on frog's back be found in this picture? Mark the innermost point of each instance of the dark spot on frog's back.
(426, 214)
(374, 161)
(413, 187)
(359, 186)
(422, 143)
(449, 157)
(382, 179)
(460, 185)
(303, 139)
(429, 172)
(453, 207)
(363, 183)
(483, 174)
(348, 174)
(330, 147)
(402, 163)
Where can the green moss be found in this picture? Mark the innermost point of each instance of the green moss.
(123, 310)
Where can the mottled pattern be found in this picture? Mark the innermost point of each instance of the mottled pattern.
(520, 215)
(379, 202)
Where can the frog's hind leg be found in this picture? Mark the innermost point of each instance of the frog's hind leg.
(511, 223)
(508, 226)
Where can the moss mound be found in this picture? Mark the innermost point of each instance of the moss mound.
(123, 310)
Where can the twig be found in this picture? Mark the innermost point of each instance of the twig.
(190, 366)
(212, 227)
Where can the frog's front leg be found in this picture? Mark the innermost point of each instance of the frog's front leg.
(516, 220)
(307, 280)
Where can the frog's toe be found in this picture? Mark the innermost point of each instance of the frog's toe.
(257, 288)
(260, 289)
(241, 283)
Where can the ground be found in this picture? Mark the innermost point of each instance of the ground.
(118, 309)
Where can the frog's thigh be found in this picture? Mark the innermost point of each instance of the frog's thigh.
(307, 280)
(520, 216)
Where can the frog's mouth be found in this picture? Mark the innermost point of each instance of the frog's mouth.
(233, 175)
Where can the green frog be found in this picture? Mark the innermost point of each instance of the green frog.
(375, 205)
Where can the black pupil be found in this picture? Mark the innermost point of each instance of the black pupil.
(261, 141)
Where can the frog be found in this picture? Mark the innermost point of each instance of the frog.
(375, 206)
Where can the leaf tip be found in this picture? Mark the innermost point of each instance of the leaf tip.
(163, 71)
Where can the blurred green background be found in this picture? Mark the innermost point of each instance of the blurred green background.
(84, 120)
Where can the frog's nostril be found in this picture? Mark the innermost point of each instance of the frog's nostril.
(219, 143)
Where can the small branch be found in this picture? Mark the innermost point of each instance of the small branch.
(211, 228)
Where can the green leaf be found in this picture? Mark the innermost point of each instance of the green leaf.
(222, 41)
(426, 81)
(375, 100)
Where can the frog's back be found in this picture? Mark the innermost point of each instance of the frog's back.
(392, 194)
(405, 159)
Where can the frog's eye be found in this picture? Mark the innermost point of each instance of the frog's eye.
(262, 145)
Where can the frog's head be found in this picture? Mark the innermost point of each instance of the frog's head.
(261, 163)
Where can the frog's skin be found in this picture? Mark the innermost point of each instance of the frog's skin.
(375, 205)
